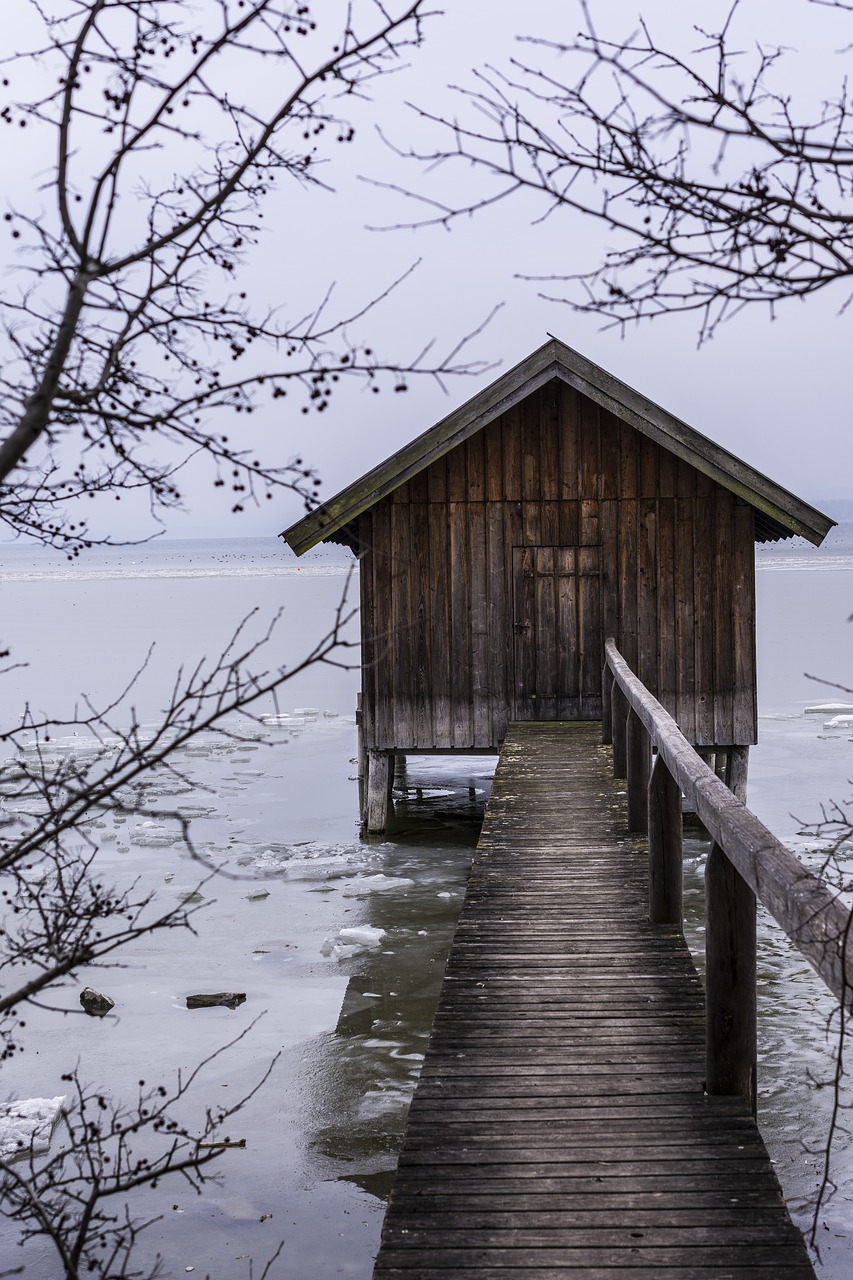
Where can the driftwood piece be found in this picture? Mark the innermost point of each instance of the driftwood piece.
(230, 1000)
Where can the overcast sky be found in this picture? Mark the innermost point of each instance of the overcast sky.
(775, 393)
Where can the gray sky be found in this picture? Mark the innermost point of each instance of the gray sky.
(775, 393)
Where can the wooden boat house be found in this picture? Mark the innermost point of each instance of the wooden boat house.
(502, 547)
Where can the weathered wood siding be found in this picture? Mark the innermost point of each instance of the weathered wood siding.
(662, 559)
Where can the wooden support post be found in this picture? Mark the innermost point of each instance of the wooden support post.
(730, 1002)
(606, 706)
(377, 792)
(619, 714)
(392, 773)
(363, 789)
(362, 753)
(638, 759)
(737, 770)
(665, 847)
(362, 761)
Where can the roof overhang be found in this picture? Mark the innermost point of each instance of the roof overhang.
(779, 513)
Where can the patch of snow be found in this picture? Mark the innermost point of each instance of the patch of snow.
(28, 1124)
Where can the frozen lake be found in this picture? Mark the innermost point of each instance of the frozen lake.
(278, 810)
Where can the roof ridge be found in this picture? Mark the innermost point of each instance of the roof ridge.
(784, 513)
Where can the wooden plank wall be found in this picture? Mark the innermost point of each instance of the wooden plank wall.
(675, 566)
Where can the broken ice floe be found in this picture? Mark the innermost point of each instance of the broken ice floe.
(839, 722)
(375, 884)
(829, 709)
(196, 810)
(152, 835)
(311, 860)
(27, 1125)
(283, 721)
(355, 941)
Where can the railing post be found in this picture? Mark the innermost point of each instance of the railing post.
(638, 750)
(606, 705)
(730, 1002)
(619, 715)
(665, 847)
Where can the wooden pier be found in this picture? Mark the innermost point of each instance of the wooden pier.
(561, 1124)
(584, 1107)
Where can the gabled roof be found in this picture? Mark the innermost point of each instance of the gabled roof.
(779, 514)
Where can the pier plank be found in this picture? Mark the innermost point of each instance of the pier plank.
(560, 1126)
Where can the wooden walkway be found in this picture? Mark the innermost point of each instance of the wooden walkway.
(560, 1126)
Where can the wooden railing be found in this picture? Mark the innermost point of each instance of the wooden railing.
(746, 862)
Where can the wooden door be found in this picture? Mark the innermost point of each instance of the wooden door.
(557, 643)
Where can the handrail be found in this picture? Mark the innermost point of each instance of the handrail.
(814, 919)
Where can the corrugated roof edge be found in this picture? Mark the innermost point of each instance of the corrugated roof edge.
(780, 508)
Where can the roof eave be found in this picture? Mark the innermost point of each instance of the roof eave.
(476, 413)
(788, 514)
(678, 438)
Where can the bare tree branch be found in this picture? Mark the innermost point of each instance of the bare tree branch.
(129, 344)
(69, 1197)
(719, 195)
(128, 311)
